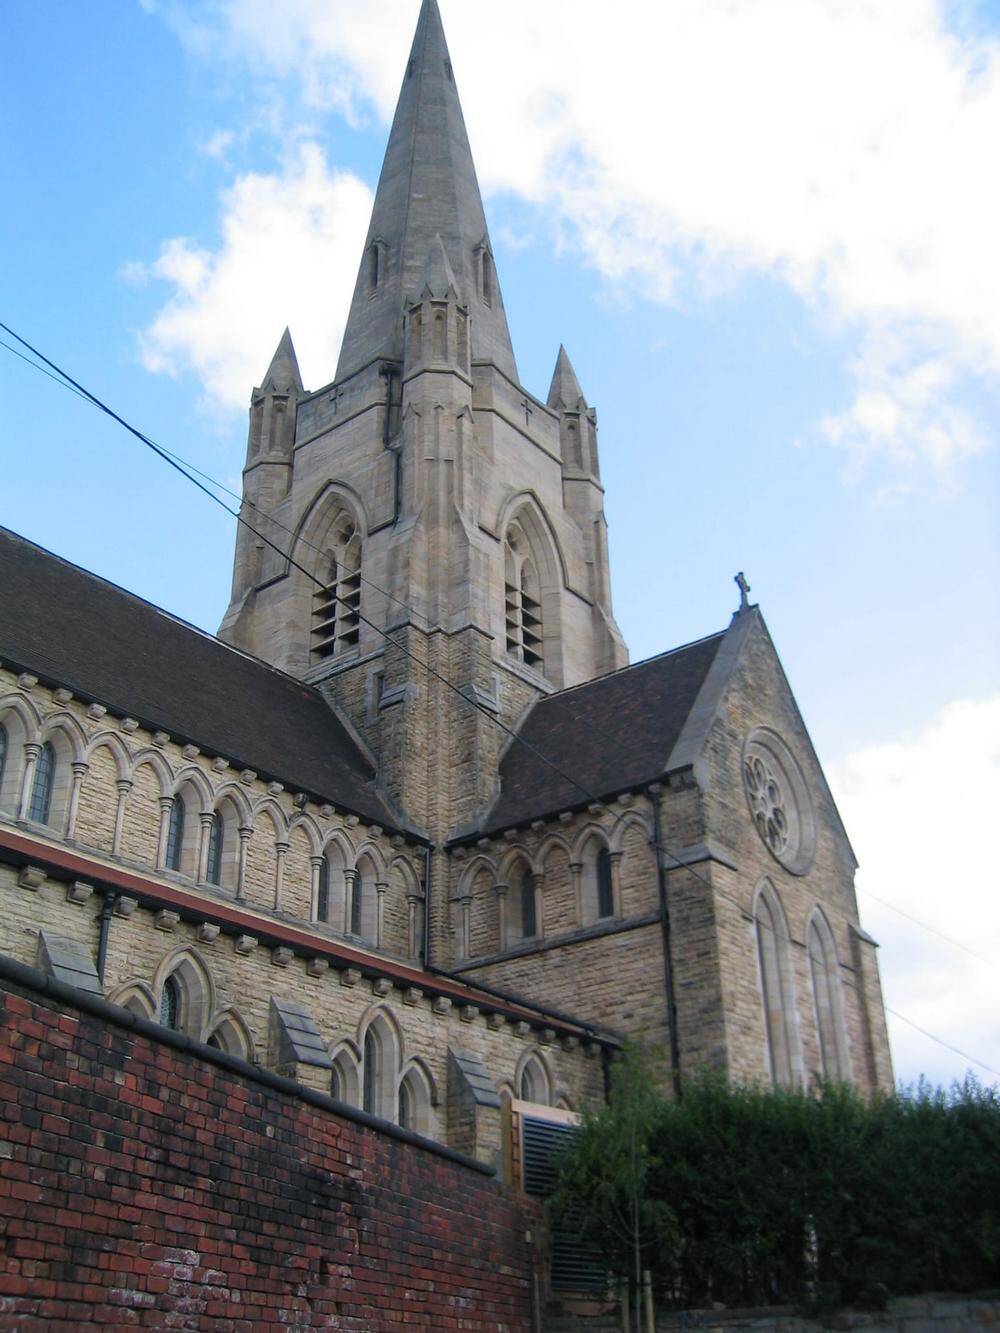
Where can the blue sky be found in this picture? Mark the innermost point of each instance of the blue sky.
(766, 234)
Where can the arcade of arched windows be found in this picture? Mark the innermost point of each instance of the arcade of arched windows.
(149, 806)
(553, 886)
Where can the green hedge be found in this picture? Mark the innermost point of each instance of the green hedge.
(748, 1197)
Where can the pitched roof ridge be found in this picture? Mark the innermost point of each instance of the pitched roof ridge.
(168, 615)
(635, 666)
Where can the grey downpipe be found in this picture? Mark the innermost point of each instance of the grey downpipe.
(668, 966)
(104, 921)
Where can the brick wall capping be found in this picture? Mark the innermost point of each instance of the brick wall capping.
(32, 981)
(96, 710)
(132, 890)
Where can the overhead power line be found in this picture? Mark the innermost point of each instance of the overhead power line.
(188, 471)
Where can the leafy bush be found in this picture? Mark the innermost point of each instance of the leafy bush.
(753, 1197)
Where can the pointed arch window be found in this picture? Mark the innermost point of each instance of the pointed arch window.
(771, 935)
(323, 891)
(487, 277)
(3, 754)
(605, 887)
(824, 973)
(357, 903)
(175, 834)
(213, 865)
(405, 1110)
(529, 911)
(40, 806)
(372, 1073)
(170, 1004)
(522, 601)
(336, 615)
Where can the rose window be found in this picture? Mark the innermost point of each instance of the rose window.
(767, 801)
(779, 799)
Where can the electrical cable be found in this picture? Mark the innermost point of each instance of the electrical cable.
(173, 462)
(957, 944)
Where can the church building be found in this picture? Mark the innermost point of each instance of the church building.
(411, 830)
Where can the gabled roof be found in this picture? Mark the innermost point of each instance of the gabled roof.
(613, 734)
(73, 629)
(428, 189)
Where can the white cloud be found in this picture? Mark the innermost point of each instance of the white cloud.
(288, 254)
(921, 813)
(843, 146)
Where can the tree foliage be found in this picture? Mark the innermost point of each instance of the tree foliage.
(753, 1197)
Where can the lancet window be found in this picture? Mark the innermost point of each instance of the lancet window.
(523, 601)
(175, 834)
(213, 866)
(3, 754)
(170, 1003)
(776, 988)
(824, 973)
(336, 615)
(40, 806)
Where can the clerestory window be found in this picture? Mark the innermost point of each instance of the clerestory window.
(40, 806)
(175, 834)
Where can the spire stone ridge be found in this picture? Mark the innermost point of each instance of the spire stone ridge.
(565, 391)
(283, 372)
(428, 189)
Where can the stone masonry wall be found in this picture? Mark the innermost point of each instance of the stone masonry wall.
(147, 1184)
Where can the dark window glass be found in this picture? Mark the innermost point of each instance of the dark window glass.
(213, 869)
(605, 893)
(41, 787)
(170, 1004)
(529, 920)
(323, 892)
(371, 1073)
(357, 902)
(405, 1113)
(175, 834)
(3, 752)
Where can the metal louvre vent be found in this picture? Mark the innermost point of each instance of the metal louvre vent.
(575, 1265)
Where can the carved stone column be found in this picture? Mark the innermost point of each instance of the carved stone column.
(280, 852)
(79, 773)
(316, 862)
(616, 882)
(31, 752)
(166, 808)
(501, 891)
(576, 873)
(245, 832)
(413, 941)
(124, 787)
(350, 883)
(206, 818)
(381, 890)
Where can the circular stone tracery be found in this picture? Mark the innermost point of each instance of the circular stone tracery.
(779, 800)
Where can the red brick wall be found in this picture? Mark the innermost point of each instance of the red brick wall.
(143, 1185)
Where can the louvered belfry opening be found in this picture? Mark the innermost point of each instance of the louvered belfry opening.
(336, 617)
(523, 602)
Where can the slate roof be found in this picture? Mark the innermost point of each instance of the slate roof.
(612, 734)
(71, 628)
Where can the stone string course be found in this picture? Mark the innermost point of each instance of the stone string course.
(144, 1186)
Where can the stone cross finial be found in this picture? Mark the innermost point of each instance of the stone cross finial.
(744, 587)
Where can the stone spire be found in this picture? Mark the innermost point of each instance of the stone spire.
(565, 392)
(428, 189)
(283, 372)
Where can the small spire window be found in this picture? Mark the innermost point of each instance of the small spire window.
(336, 616)
(374, 266)
(41, 787)
(487, 278)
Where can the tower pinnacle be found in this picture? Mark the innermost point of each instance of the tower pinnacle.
(283, 372)
(428, 189)
(565, 391)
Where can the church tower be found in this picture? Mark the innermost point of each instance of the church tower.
(432, 497)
